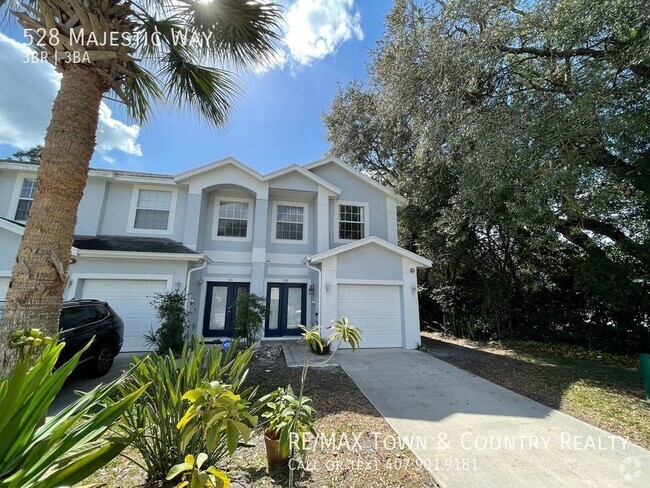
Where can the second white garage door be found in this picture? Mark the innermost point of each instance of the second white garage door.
(376, 310)
(131, 300)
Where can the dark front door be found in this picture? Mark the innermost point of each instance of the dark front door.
(219, 317)
(287, 308)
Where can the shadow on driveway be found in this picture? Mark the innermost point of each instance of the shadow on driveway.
(79, 381)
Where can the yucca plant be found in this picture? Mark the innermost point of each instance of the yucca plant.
(64, 449)
(161, 407)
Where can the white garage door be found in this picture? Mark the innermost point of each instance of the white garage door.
(4, 285)
(376, 310)
(131, 300)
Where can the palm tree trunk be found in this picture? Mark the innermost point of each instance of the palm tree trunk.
(40, 273)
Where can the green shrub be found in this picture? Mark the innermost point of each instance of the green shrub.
(289, 417)
(170, 310)
(162, 406)
(192, 474)
(249, 319)
(69, 447)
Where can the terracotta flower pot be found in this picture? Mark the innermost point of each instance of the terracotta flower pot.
(273, 452)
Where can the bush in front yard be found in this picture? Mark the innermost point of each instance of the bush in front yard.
(170, 309)
(249, 319)
(162, 407)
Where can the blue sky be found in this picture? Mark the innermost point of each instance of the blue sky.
(276, 121)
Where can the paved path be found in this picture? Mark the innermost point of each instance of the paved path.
(79, 382)
(470, 432)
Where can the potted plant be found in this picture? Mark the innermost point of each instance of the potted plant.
(290, 416)
(290, 419)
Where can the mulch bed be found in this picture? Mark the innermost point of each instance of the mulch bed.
(342, 411)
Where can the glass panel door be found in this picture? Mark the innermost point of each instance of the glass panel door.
(287, 308)
(274, 308)
(220, 301)
(294, 307)
(219, 308)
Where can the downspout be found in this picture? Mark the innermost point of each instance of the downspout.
(306, 261)
(205, 260)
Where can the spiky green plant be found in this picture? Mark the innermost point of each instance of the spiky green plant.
(64, 449)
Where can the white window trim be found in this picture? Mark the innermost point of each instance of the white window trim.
(305, 223)
(18, 186)
(215, 219)
(134, 203)
(335, 224)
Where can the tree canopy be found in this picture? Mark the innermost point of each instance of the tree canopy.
(520, 133)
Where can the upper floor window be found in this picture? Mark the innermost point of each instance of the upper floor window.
(25, 199)
(233, 218)
(152, 209)
(352, 221)
(290, 222)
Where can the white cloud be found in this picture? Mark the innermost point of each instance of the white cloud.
(314, 29)
(27, 91)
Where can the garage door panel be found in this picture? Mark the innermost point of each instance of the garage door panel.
(376, 310)
(131, 299)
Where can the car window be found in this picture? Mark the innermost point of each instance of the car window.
(75, 317)
(99, 313)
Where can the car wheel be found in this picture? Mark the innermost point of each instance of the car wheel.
(103, 359)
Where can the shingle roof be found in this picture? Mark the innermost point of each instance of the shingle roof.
(131, 244)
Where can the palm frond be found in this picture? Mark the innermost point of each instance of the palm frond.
(241, 32)
(142, 91)
(205, 89)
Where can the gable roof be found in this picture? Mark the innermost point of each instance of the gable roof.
(131, 244)
(206, 168)
(294, 168)
(365, 178)
(419, 260)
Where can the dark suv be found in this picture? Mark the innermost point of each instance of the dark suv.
(81, 320)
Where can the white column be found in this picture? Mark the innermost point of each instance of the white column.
(410, 311)
(391, 215)
(323, 219)
(329, 305)
(259, 244)
(192, 219)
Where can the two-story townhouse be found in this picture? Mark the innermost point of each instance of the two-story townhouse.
(318, 241)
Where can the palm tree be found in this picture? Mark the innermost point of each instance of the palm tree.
(143, 53)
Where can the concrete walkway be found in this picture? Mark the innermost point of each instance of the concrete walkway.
(469, 432)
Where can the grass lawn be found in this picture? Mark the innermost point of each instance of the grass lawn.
(606, 393)
(342, 409)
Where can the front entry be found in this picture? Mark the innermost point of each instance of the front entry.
(219, 317)
(287, 308)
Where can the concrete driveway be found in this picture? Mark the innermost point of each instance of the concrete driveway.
(469, 432)
(79, 382)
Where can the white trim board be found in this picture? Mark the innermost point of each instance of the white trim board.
(418, 260)
(169, 256)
